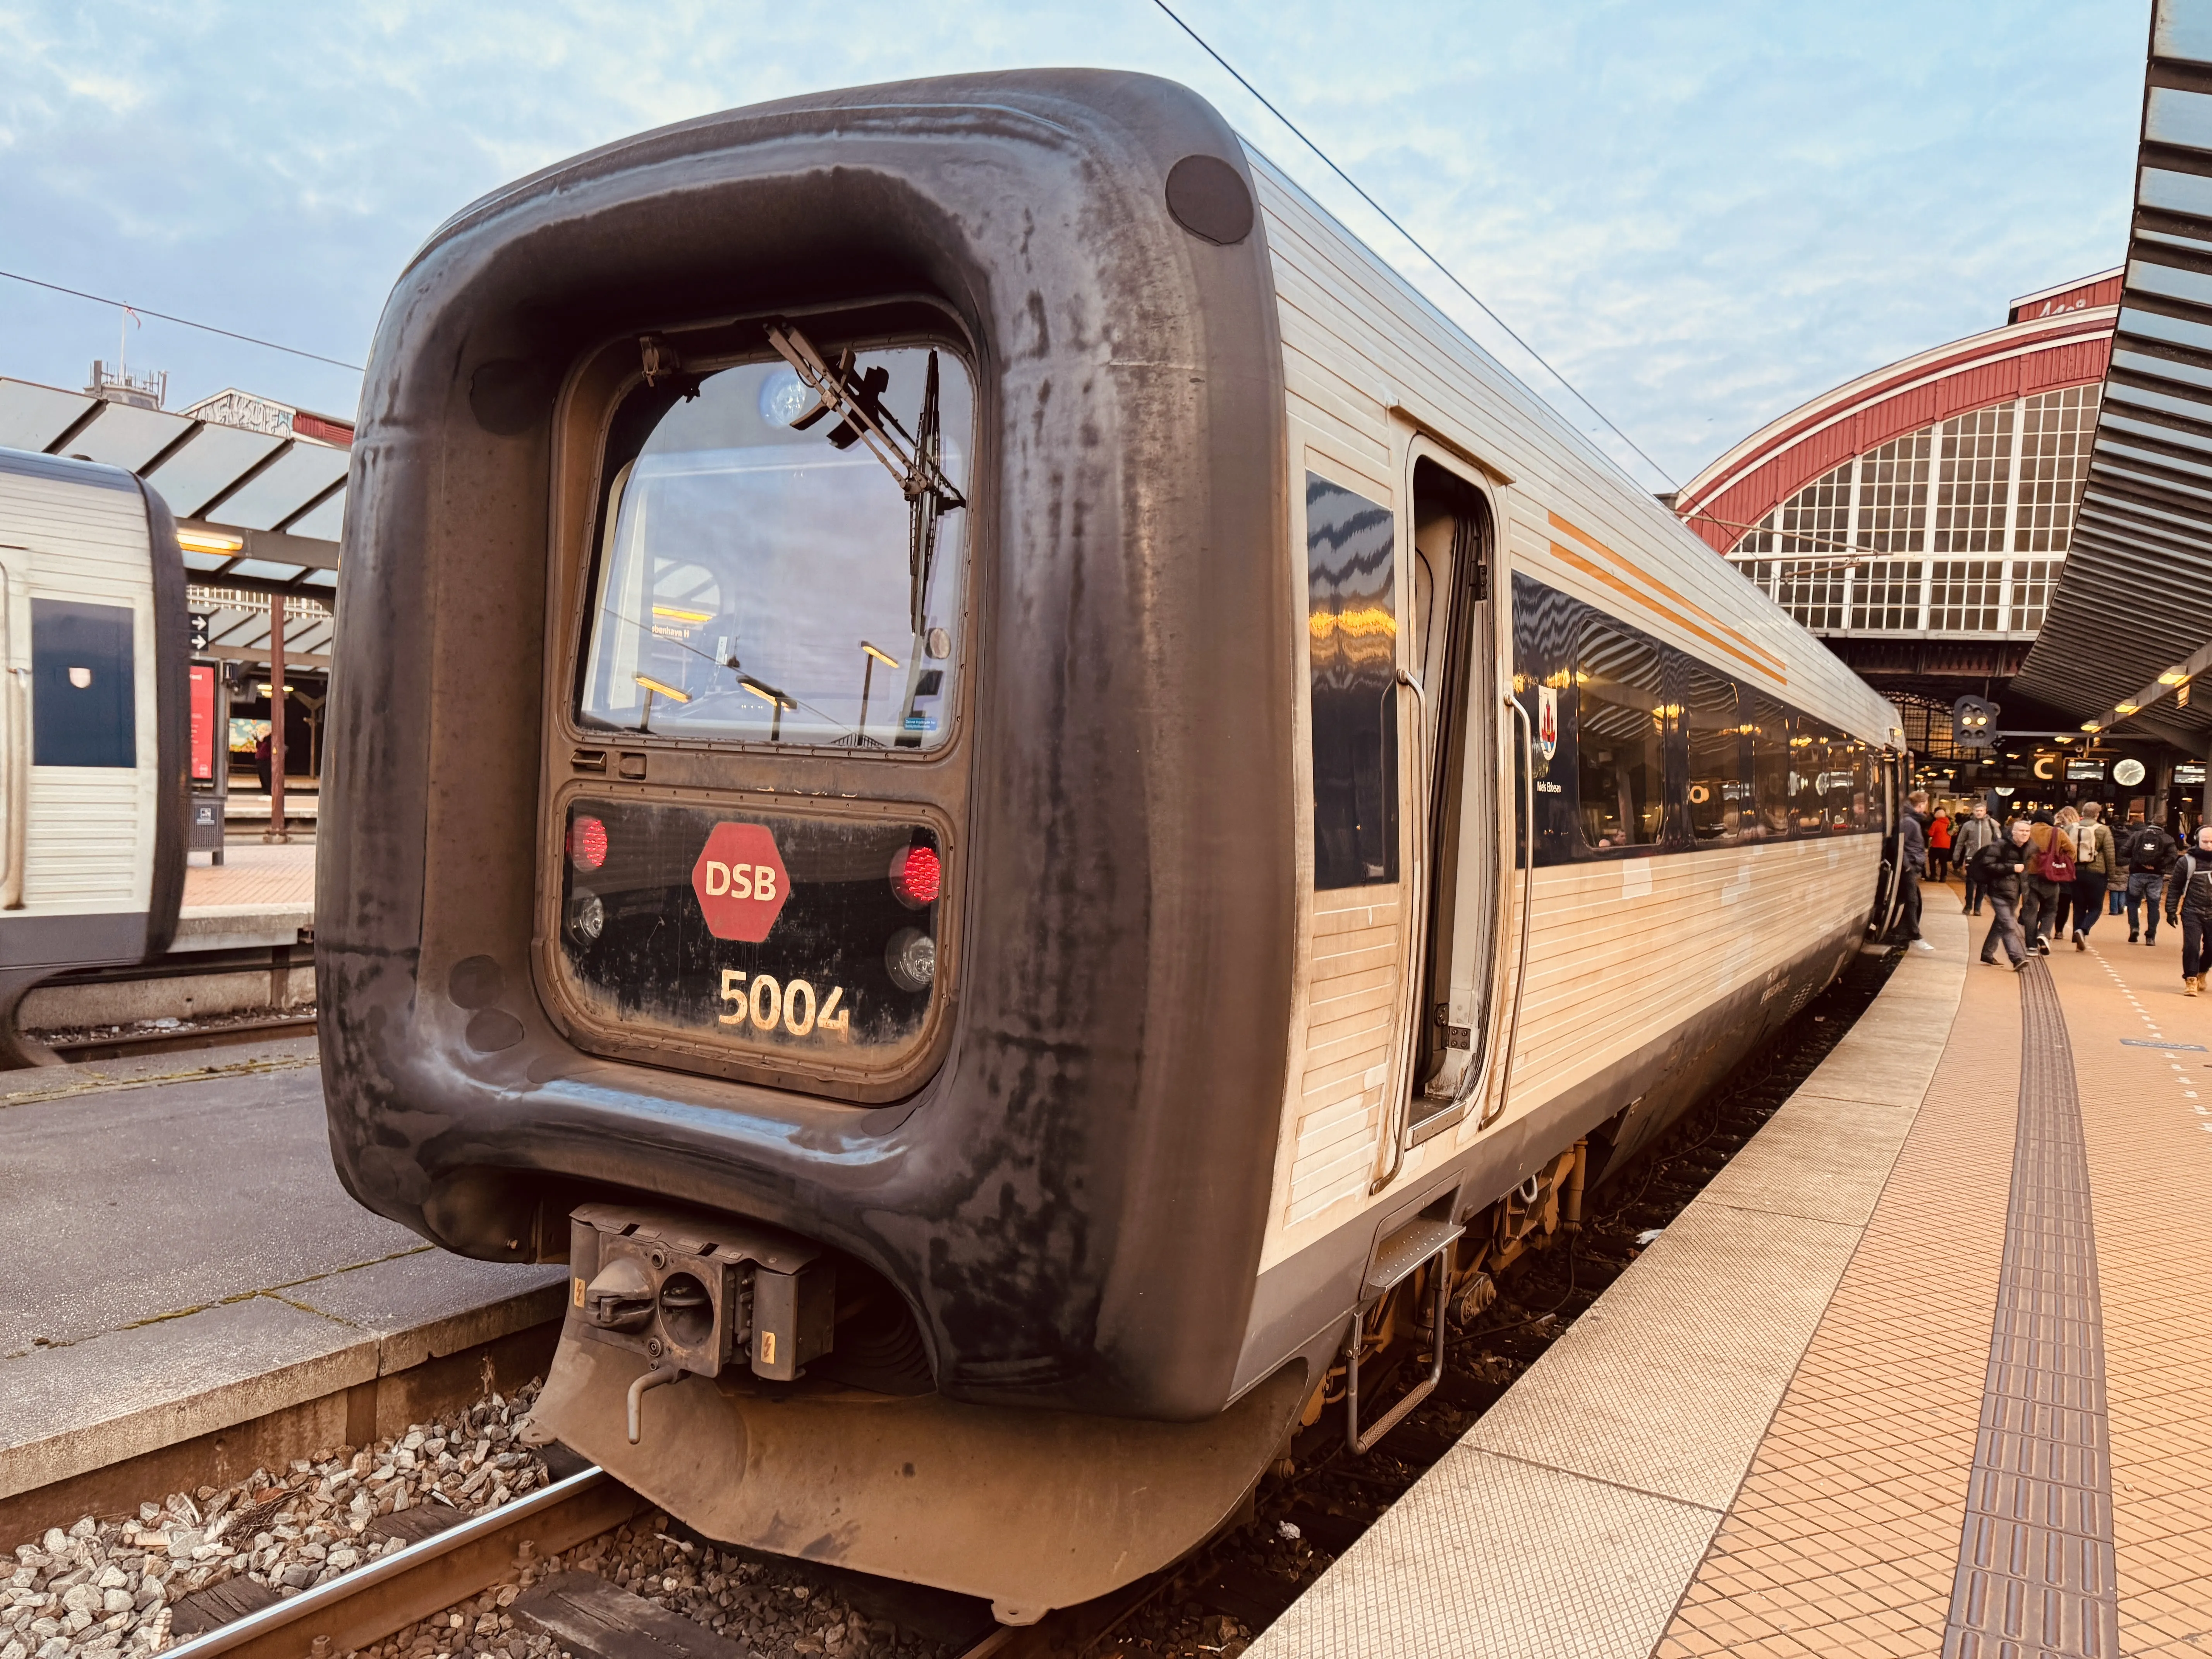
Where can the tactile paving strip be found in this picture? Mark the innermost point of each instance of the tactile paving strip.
(2036, 1569)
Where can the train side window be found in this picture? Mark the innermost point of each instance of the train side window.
(1820, 783)
(1720, 807)
(83, 710)
(1620, 730)
(1771, 754)
(1861, 786)
(1352, 630)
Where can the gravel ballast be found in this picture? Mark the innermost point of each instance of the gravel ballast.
(105, 1587)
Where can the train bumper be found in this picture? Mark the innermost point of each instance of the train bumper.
(1033, 1510)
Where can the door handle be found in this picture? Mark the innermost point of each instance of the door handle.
(1527, 903)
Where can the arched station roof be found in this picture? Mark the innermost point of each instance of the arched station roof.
(2059, 338)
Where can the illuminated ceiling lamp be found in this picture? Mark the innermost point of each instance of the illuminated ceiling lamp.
(210, 541)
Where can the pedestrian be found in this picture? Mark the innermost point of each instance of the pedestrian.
(1974, 832)
(2050, 881)
(2189, 901)
(1998, 873)
(2096, 858)
(1939, 845)
(2148, 853)
(1912, 864)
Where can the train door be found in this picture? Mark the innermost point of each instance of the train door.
(1451, 656)
(1895, 768)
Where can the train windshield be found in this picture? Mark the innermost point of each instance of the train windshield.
(762, 582)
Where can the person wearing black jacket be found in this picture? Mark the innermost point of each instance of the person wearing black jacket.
(1998, 870)
(2189, 901)
(1912, 864)
(2146, 853)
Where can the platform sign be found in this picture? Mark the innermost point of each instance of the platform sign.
(202, 708)
(2085, 771)
(2189, 773)
(741, 882)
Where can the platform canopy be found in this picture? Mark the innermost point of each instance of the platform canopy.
(257, 488)
(2131, 620)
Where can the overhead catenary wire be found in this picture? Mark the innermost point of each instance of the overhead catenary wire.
(181, 322)
(1420, 247)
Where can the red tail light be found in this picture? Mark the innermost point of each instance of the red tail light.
(587, 843)
(916, 876)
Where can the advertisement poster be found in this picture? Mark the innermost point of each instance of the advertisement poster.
(202, 723)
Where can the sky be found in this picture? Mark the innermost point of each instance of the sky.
(1700, 213)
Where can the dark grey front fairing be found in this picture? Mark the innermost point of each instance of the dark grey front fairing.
(1073, 1202)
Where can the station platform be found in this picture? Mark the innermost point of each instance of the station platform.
(191, 1294)
(270, 876)
(1926, 1368)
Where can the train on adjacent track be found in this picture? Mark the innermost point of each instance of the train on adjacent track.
(1027, 810)
(93, 727)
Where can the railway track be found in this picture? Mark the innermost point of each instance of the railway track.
(386, 1595)
(587, 1616)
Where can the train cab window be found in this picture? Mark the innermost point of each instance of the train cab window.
(1773, 782)
(1721, 805)
(757, 580)
(1351, 633)
(1620, 732)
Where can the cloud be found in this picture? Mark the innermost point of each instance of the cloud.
(1702, 213)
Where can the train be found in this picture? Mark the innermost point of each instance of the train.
(1028, 811)
(93, 727)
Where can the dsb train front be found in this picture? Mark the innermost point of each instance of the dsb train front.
(903, 802)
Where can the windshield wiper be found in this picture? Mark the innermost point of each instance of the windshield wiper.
(914, 460)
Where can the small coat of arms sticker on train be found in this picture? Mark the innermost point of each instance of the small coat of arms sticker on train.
(740, 881)
(1547, 721)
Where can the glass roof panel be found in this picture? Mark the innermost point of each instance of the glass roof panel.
(2157, 327)
(284, 489)
(33, 417)
(2175, 116)
(214, 458)
(326, 522)
(2170, 281)
(2177, 193)
(265, 570)
(2183, 29)
(2162, 365)
(124, 437)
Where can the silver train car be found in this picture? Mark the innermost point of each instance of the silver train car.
(93, 712)
(1027, 810)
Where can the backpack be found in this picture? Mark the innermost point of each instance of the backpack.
(2058, 859)
(2146, 847)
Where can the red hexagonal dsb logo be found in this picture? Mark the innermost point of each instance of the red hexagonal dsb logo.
(740, 881)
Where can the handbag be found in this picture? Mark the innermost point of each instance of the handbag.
(2059, 859)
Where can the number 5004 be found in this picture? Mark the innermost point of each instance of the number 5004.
(766, 1004)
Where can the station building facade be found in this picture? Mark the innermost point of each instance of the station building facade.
(1918, 519)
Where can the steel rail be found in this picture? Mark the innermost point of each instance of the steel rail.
(127, 1042)
(387, 1595)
